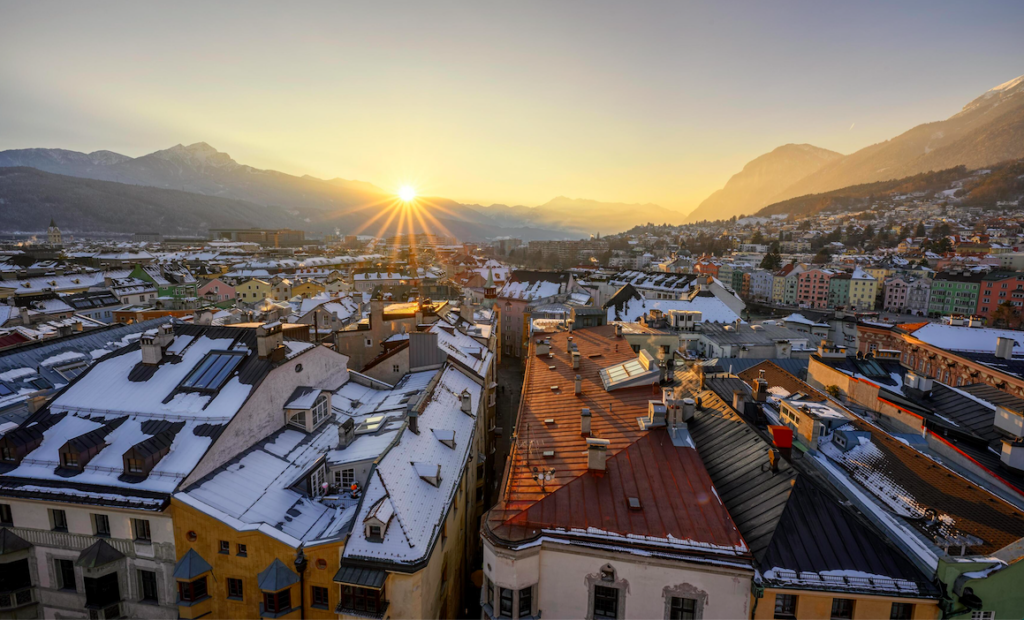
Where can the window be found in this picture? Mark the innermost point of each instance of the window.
(901, 611)
(225, 547)
(69, 459)
(375, 532)
(369, 342)
(299, 419)
(983, 615)
(242, 550)
(101, 525)
(141, 529)
(234, 589)
(362, 599)
(344, 477)
(842, 608)
(135, 466)
(320, 597)
(6, 518)
(606, 602)
(65, 574)
(525, 602)
(395, 368)
(505, 602)
(58, 520)
(682, 608)
(785, 606)
(317, 481)
(192, 591)
(320, 410)
(212, 372)
(147, 586)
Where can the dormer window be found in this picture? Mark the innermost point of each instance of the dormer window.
(69, 460)
(298, 419)
(320, 410)
(374, 531)
(134, 466)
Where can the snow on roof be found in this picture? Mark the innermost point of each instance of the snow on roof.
(303, 398)
(530, 291)
(462, 347)
(712, 309)
(357, 401)
(107, 388)
(796, 317)
(419, 506)
(958, 338)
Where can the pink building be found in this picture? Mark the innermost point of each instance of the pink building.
(217, 291)
(812, 288)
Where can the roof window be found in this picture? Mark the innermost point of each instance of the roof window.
(213, 371)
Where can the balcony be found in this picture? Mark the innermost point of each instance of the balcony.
(362, 613)
(17, 598)
(108, 612)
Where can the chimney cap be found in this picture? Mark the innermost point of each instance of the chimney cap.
(585, 412)
(597, 443)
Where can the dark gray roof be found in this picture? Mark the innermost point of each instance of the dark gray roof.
(994, 395)
(362, 577)
(100, 553)
(796, 367)
(276, 577)
(1013, 367)
(11, 542)
(190, 566)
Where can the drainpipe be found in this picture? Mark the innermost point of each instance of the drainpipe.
(300, 565)
(758, 591)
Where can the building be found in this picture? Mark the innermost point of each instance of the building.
(253, 291)
(764, 341)
(274, 238)
(216, 291)
(954, 293)
(589, 428)
(53, 236)
(816, 558)
(521, 293)
(813, 288)
(863, 290)
(997, 288)
(761, 285)
(86, 481)
(99, 305)
(839, 290)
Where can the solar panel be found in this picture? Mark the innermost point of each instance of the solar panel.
(5, 391)
(213, 371)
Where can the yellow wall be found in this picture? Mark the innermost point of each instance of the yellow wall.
(307, 289)
(818, 606)
(252, 290)
(261, 551)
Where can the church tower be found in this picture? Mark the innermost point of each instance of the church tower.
(53, 236)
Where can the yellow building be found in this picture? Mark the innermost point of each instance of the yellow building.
(252, 290)
(863, 289)
(799, 604)
(307, 288)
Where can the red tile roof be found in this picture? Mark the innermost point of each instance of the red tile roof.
(674, 489)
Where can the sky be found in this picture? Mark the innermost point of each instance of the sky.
(512, 103)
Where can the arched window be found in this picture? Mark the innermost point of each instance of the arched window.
(320, 410)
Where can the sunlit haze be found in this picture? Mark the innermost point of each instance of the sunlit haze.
(482, 103)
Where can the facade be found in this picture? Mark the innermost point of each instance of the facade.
(524, 290)
(761, 285)
(839, 290)
(253, 291)
(217, 291)
(999, 287)
(53, 236)
(813, 288)
(954, 293)
(863, 290)
(791, 285)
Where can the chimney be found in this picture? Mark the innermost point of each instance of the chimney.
(663, 372)
(346, 433)
(585, 422)
(576, 360)
(467, 402)
(618, 330)
(36, 403)
(761, 388)
(23, 312)
(414, 421)
(597, 454)
(542, 347)
(269, 337)
(689, 407)
(578, 383)
(739, 400)
(1004, 348)
(773, 460)
(152, 352)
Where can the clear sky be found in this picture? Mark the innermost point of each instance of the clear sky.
(511, 102)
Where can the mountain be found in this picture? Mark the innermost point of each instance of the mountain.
(202, 169)
(986, 131)
(580, 217)
(29, 197)
(761, 180)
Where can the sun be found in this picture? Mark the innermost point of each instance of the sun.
(407, 193)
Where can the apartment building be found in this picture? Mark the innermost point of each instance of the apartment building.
(955, 293)
(813, 287)
(999, 287)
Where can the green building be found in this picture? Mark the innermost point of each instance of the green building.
(839, 290)
(954, 293)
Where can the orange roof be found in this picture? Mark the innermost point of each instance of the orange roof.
(671, 482)
(911, 327)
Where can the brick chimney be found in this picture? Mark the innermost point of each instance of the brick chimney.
(761, 388)
(597, 454)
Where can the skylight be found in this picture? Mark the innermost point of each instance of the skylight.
(638, 371)
(213, 371)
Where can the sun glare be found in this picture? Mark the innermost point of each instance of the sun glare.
(407, 193)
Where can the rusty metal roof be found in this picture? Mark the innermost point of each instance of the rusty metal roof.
(673, 488)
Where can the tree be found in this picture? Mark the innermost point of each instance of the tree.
(1006, 315)
(823, 256)
(758, 238)
(772, 260)
(919, 231)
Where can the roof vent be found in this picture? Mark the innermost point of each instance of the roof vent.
(445, 436)
(431, 472)
(1004, 348)
(585, 422)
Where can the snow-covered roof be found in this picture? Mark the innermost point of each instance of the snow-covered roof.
(712, 309)
(419, 507)
(960, 338)
(462, 347)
